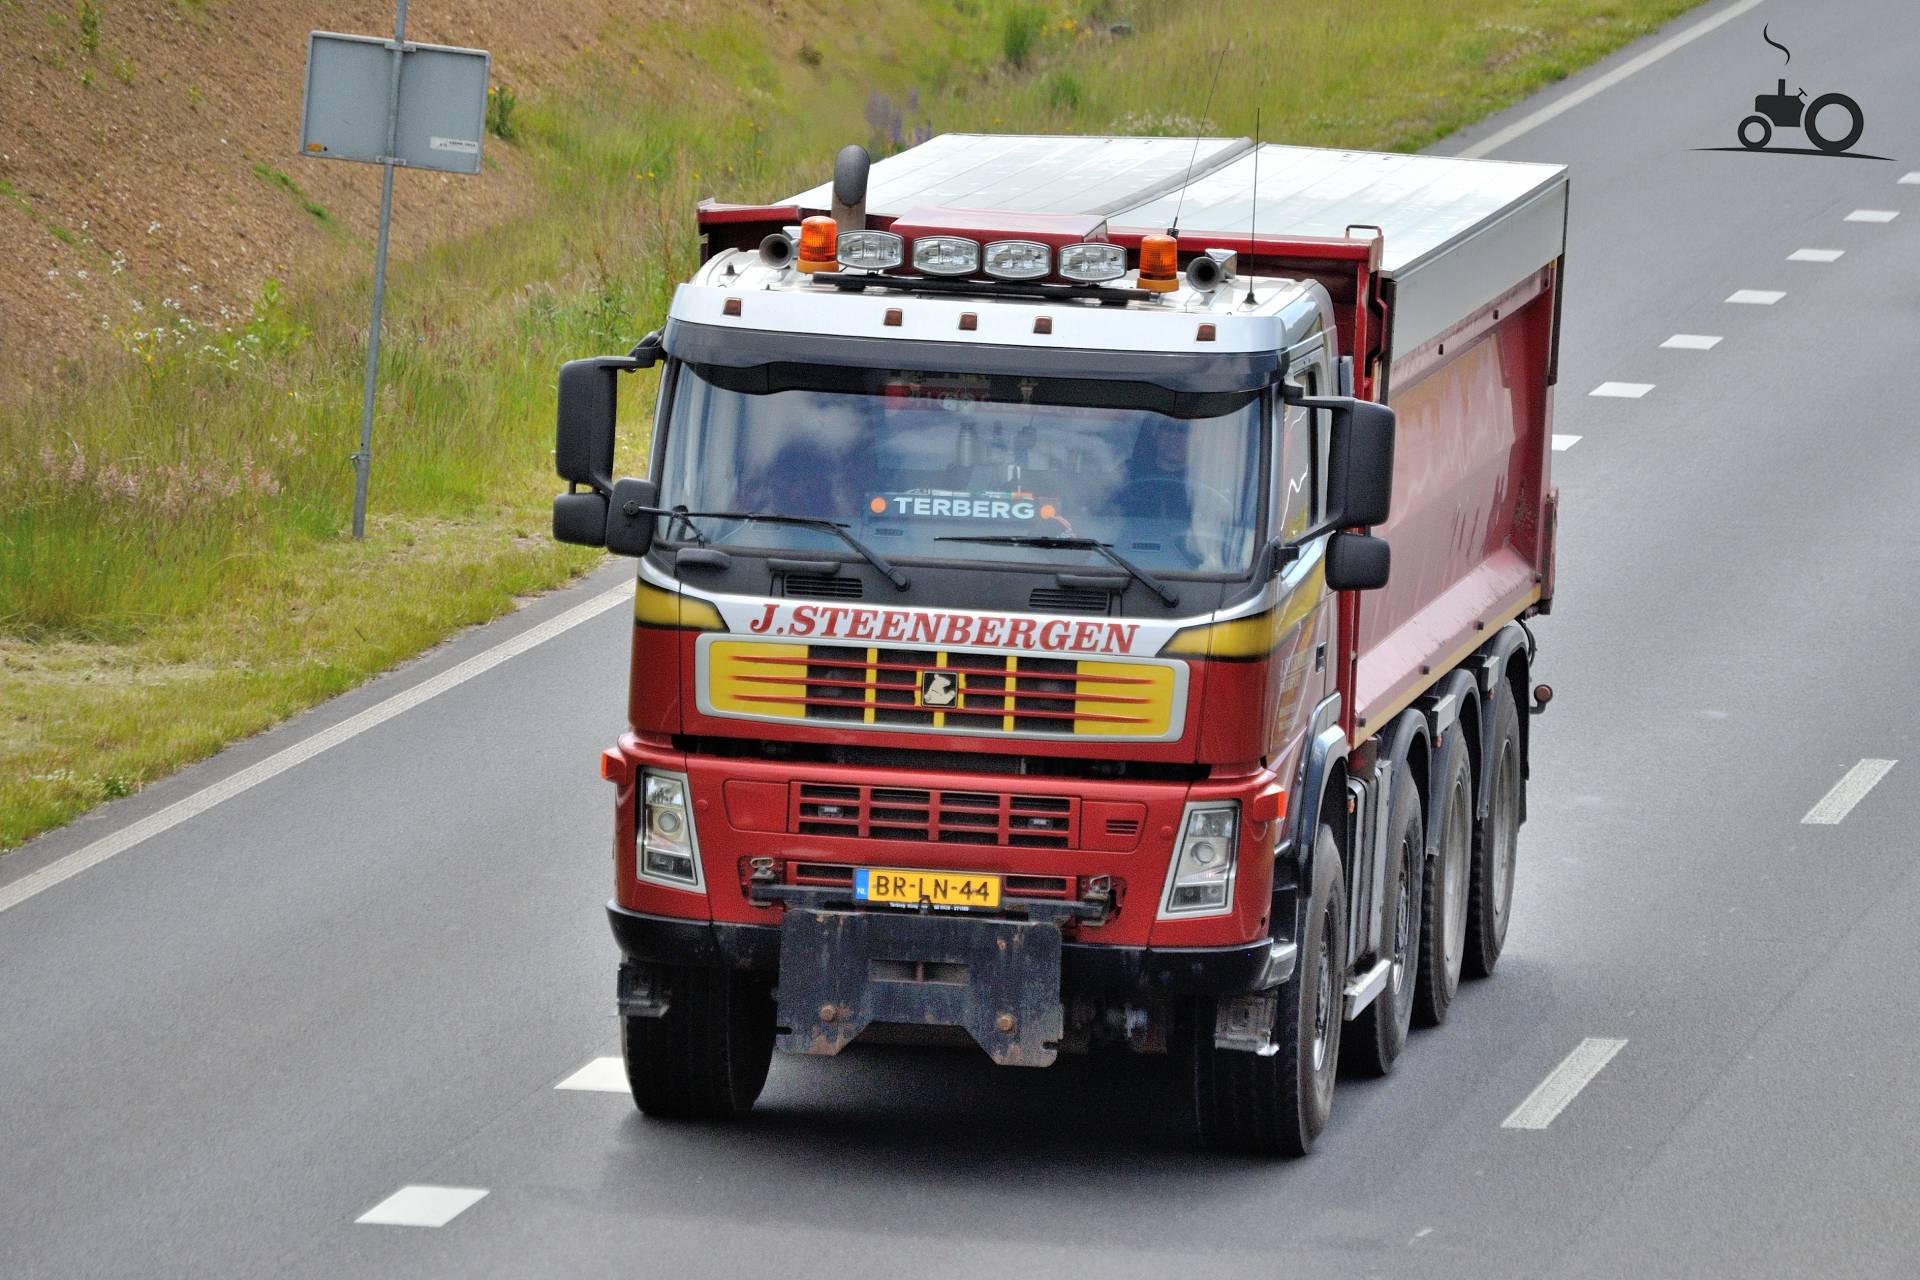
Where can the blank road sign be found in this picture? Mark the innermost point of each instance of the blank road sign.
(443, 103)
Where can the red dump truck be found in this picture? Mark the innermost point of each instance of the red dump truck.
(1082, 596)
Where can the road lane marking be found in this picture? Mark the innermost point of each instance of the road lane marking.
(1873, 215)
(1815, 255)
(602, 1075)
(1600, 84)
(1848, 792)
(1563, 443)
(279, 762)
(422, 1206)
(1911, 179)
(1622, 390)
(1564, 1083)
(1756, 297)
(1693, 341)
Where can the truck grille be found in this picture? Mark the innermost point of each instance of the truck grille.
(941, 817)
(981, 693)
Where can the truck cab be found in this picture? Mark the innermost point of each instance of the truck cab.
(992, 671)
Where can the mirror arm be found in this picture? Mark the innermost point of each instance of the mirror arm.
(647, 352)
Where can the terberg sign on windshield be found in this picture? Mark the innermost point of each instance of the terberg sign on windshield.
(1070, 634)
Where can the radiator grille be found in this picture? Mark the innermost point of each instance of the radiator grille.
(817, 586)
(1005, 819)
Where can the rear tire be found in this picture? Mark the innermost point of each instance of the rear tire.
(1494, 853)
(1277, 1104)
(707, 1057)
(1444, 891)
(1856, 123)
(1374, 1039)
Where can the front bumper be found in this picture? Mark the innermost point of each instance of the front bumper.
(1085, 968)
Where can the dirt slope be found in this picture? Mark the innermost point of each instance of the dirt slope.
(148, 155)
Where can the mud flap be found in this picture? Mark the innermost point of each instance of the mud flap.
(998, 979)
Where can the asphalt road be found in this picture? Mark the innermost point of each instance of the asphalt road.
(221, 1047)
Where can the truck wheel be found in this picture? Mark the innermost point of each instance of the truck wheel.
(1369, 1046)
(1276, 1104)
(1493, 854)
(1443, 914)
(707, 1057)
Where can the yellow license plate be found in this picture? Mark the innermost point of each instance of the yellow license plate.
(935, 888)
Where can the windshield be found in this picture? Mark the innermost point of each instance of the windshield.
(905, 459)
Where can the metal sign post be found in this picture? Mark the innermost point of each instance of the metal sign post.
(390, 103)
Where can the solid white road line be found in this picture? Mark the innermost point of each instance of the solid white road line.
(1564, 1083)
(280, 761)
(602, 1075)
(1873, 215)
(1563, 443)
(1815, 255)
(1622, 390)
(417, 1206)
(1600, 84)
(1848, 792)
(1693, 341)
(1757, 297)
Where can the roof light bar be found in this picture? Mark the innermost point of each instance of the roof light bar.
(1092, 263)
(946, 255)
(871, 250)
(1018, 260)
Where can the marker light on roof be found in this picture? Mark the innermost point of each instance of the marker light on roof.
(871, 250)
(946, 255)
(1092, 263)
(1018, 260)
(817, 242)
(1159, 264)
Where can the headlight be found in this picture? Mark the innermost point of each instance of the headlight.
(1200, 879)
(669, 854)
(1093, 262)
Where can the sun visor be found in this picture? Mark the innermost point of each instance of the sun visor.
(1182, 372)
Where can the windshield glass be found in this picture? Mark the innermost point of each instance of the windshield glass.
(905, 458)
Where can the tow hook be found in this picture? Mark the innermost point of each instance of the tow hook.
(763, 870)
(1542, 695)
(1099, 890)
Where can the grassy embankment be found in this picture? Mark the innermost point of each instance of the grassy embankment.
(173, 570)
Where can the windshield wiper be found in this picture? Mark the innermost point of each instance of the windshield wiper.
(1047, 542)
(834, 527)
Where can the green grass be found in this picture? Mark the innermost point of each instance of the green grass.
(174, 571)
(283, 182)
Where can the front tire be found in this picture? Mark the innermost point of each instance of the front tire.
(1377, 1036)
(1756, 132)
(707, 1057)
(1443, 916)
(1499, 844)
(1276, 1104)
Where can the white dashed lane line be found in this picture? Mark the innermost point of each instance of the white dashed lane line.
(422, 1206)
(1911, 179)
(1693, 341)
(1757, 297)
(1622, 390)
(1563, 443)
(1564, 1083)
(1873, 215)
(602, 1075)
(1815, 255)
(1848, 792)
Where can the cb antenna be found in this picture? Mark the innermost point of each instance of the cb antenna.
(1205, 111)
(1253, 214)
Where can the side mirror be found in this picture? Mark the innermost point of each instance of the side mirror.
(1359, 463)
(630, 517)
(580, 519)
(1357, 562)
(583, 439)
